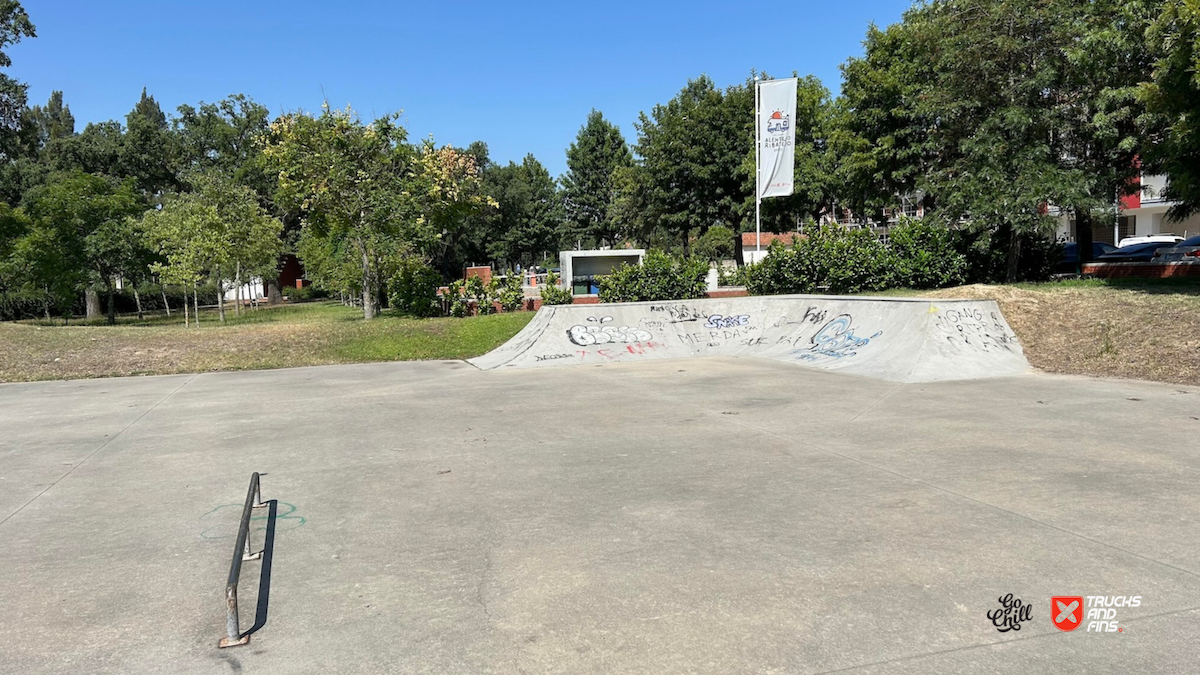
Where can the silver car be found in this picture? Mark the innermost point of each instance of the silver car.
(1187, 250)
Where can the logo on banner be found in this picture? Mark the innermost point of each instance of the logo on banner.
(778, 123)
(1066, 611)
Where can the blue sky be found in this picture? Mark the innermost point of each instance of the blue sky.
(521, 76)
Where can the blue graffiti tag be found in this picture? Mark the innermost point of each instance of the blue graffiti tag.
(718, 321)
(836, 339)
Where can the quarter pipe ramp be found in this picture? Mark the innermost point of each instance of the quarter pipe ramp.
(897, 339)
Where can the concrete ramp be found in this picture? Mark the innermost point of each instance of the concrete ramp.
(897, 339)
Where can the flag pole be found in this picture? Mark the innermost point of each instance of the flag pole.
(757, 180)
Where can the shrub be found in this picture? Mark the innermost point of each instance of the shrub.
(294, 294)
(507, 291)
(456, 299)
(831, 257)
(413, 288)
(715, 245)
(925, 255)
(475, 290)
(848, 260)
(553, 294)
(660, 277)
(784, 270)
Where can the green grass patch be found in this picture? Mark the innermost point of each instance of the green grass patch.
(305, 334)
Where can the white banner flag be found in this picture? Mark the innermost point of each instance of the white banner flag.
(776, 138)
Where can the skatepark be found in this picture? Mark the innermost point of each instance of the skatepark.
(854, 498)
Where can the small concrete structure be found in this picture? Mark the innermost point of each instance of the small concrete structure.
(595, 263)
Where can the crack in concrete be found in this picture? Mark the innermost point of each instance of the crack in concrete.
(102, 446)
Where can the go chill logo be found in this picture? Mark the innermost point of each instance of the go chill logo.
(1067, 612)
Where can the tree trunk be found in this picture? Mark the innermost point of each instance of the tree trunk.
(1013, 263)
(185, 306)
(1083, 238)
(166, 303)
(368, 285)
(220, 295)
(237, 279)
(112, 304)
(195, 302)
(137, 298)
(92, 296)
(274, 295)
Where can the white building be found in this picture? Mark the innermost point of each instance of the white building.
(1140, 214)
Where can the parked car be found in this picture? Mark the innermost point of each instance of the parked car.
(1147, 238)
(1143, 252)
(1187, 250)
(1070, 258)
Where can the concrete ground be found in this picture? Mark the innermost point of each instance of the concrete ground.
(693, 516)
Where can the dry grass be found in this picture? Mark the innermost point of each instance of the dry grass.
(303, 335)
(1144, 330)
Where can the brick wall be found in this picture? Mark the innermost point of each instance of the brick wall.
(1143, 270)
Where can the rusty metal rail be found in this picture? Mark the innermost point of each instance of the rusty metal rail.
(241, 552)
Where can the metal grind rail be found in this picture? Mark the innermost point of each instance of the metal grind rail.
(241, 553)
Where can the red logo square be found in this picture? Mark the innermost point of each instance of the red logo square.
(1066, 611)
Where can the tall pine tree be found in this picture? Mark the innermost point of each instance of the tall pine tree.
(589, 187)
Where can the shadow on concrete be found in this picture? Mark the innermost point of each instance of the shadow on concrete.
(264, 575)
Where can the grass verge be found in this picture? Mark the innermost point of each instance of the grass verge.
(275, 337)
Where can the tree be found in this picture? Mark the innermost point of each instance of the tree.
(689, 152)
(589, 186)
(42, 124)
(14, 25)
(351, 182)
(453, 204)
(97, 150)
(82, 217)
(529, 211)
(1172, 99)
(814, 189)
(226, 136)
(218, 229)
(879, 135)
(149, 153)
(993, 111)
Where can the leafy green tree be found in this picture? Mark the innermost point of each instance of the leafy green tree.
(218, 229)
(588, 187)
(689, 152)
(352, 183)
(453, 203)
(226, 136)
(1172, 99)
(528, 211)
(82, 217)
(878, 135)
(97, 149)
(814, 187)
(42, 124)
(14, 25)
(992, 111)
